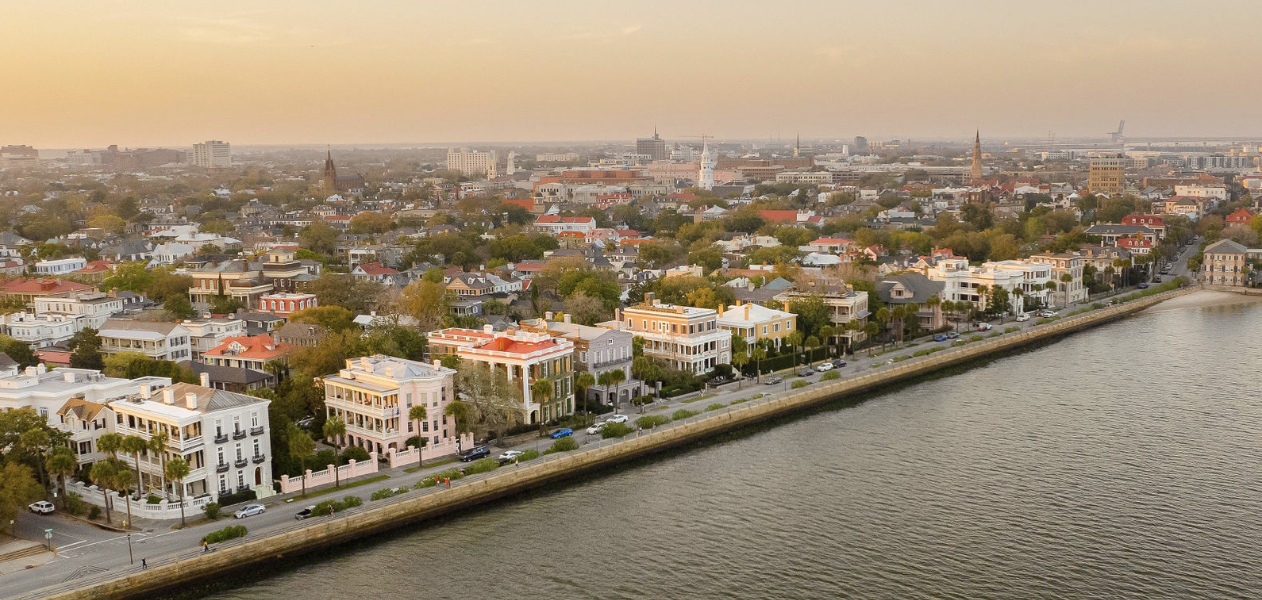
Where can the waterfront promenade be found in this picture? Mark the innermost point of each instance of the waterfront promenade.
(173, 556)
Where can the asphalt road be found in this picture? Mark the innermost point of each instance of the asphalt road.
(84, 549)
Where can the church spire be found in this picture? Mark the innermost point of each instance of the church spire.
(976, 172)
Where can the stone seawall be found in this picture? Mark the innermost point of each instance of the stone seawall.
(179, 574)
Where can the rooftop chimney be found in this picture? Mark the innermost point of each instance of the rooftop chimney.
(547, 316)
(205, 378)
(567, 318)
(438, 364)
(722, 307)
(168, 396)
(144, 391)
(69, 377)
(490, 329)
(190, 401)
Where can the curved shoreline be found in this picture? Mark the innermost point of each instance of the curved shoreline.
(175, 572)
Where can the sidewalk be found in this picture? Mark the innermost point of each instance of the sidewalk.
(19, 555)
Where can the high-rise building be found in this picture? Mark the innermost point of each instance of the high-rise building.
(472, 162)
(1107, 175)
(511, 166)
(976, 173)
(19, 156)
(860, 145)
(654, 147)
(212, 154)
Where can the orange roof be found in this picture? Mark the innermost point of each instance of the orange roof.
(44, 286)
(258, 347)
(527, 203)
(96, 266)
(779, 215)
(558, 219)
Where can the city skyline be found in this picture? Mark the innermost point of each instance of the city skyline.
(148, 74)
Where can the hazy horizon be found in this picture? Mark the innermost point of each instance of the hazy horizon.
(144, 73)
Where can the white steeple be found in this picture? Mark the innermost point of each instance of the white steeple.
(706, 179)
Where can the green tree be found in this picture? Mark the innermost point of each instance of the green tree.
(86, 347)
(794, 340)
(18, 488)
(300, 447)
(582, 382)
(103, 475)
(158, 448)
(740, 359)
(134, 445)
(758, 354)
(61, 463)
(416, 414)
(175, 471)
(334, 428)
(179, 307)
(611, 379)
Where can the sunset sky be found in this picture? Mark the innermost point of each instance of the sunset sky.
(133, 72)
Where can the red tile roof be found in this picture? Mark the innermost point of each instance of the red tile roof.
(258, 347)
(41, 286)
(779, 215)
(1240, 216)
(376, 269)
(558, 219)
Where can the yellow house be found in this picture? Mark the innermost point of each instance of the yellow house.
(755, 322)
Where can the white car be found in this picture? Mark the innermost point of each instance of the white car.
(1023, 317)
(509, 456)
(595, 429)
(617, 419)
(42, 507)
(249, 510)
(827, 366)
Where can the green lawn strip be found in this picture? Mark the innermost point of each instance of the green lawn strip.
(433, 464)
(346, 486)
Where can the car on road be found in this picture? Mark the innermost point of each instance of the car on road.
(1023, 317)
(475, 453)
(509, 456)
(941, 337)
(562, 432)
(838, 363)
(807, 372)
(1156, 280)
(1143, 286)
(617, 419)
(981, 326)
(305, 513)
(595, 428)
(1045, 313)
(41, 507)
(951, 335)
(824, 366)
(249, 510)
(772, 381)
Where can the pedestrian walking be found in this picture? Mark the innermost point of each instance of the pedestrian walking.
(205, 546)
(143, 565)
(448, 482)
(330, 510)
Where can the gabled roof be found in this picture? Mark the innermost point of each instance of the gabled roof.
(560, 219)
(1225, 247)
(921, 288)
(81, 409)
(257, 347)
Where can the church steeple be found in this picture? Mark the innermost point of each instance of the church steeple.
(977, 156)
(330, 172)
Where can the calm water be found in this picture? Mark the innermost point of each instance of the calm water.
(1120, 463)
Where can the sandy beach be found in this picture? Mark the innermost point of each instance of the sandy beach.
(1207, 299)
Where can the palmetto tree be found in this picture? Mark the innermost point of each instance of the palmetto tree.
(134, 445)
(794, 340)
(612, 379)
(828, 333)
(175, 471)
(812, 344)
(103, 474)
(758, 353)
(740, 359)
(110, 443)
(582, 382)
(158, 446)
(300, 447)
(334, 428)
(934, 302)
(416, 414)
(541, 390)
(122, 481)
(61, 463)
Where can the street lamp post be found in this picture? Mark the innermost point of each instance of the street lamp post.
(130, 556)
(48, 535)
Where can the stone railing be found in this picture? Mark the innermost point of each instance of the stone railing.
(317, 478)
(412, 456)
(166, 509)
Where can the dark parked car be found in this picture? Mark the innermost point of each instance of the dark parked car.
(562, 432)
(1143, 286)
(304, 513)
(941, 337)
(838, 363)
(475, 453)
(772, 381)
(807, 372)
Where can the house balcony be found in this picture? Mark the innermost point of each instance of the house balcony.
(259, 458)
(256, 431)
(221, 468)
(221, 438)
(239, 434)
(241, 463)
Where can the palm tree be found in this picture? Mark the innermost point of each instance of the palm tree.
(333, 429)
(102, 474)
(872, 330)
(61, 463)
(416, 414)
(110, 443)
(583, 381)
(812, 344)
(175, 471)
(740, 359)
(541, 389)
(827, 333)
(158, 445)
(758, 354)
(300, 447)
(122, 481)
(883, 316)
(276, 368)
(794, 340)
(134, 445)
(934, 302)
(612, 379)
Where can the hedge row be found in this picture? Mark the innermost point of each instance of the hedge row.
(225, 534)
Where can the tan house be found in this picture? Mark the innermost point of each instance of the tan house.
(1224, 264)
(755, 322)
